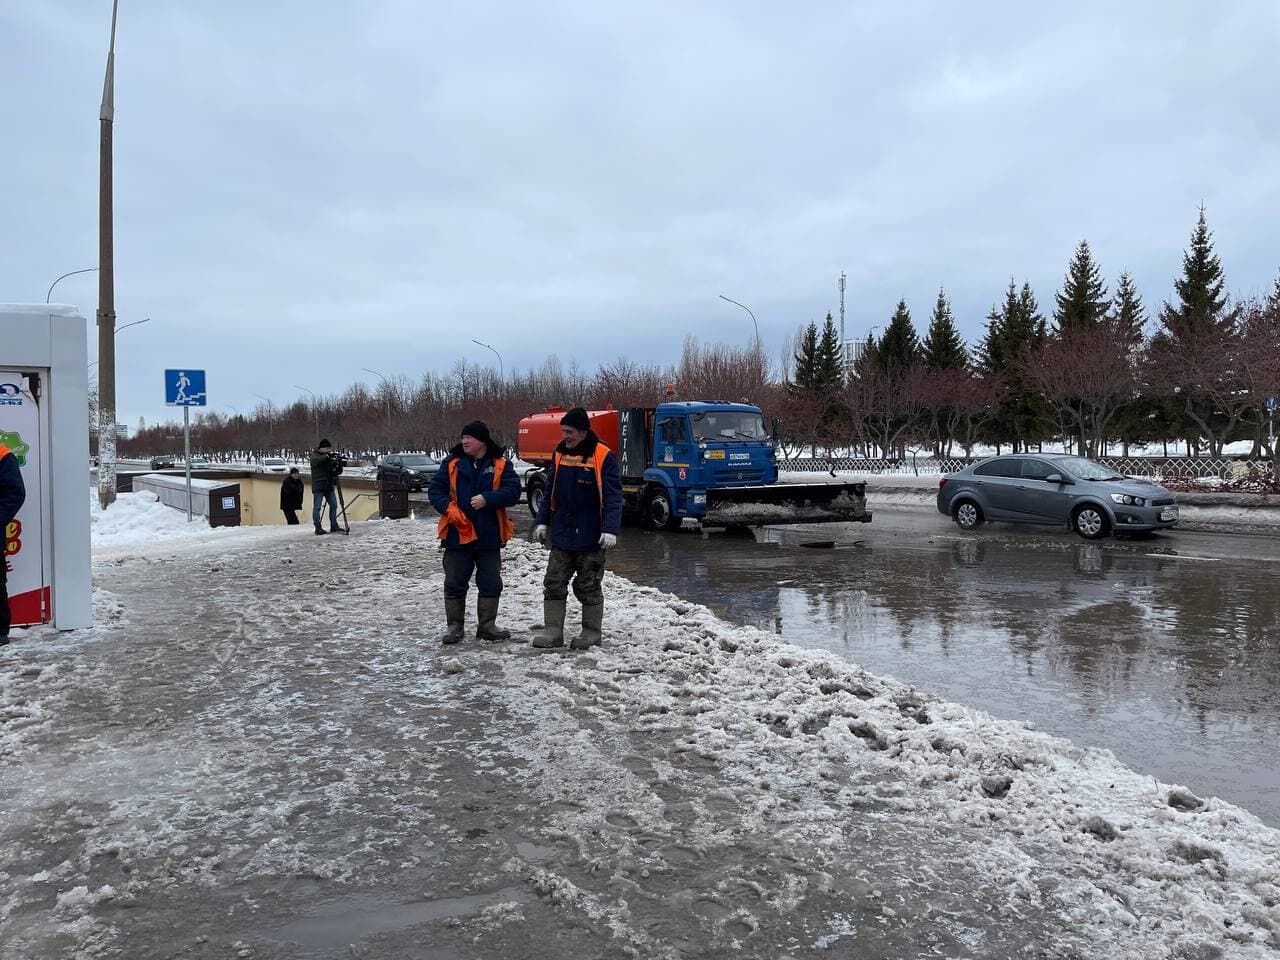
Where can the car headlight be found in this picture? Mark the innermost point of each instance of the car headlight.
(412, 473)
(1128, 501)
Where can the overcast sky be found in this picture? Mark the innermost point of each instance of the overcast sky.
(306, 189)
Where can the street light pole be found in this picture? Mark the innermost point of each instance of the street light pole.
(271, 420)
(63, 277)
(106, 286)
(315, 405)
(385, 386)
(501, 375)
(753, 319)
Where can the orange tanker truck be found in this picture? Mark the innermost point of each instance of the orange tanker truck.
(708, 461)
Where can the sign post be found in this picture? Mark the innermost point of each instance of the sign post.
(186, 389)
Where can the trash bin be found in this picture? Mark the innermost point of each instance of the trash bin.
(393, 500)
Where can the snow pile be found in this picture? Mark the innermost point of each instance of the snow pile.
(137, 518)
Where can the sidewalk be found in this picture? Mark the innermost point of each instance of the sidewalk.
(254, 755)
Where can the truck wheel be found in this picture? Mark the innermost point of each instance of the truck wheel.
(536, 494)
(658, 512)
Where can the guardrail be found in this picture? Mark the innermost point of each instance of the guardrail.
(1155, 468)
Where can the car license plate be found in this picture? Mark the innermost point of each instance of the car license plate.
(1169, 513)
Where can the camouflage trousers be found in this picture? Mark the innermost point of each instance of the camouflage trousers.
(585, 569)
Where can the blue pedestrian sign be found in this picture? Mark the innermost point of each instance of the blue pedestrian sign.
(184, 388)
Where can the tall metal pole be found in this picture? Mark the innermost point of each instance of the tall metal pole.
(186, 453)
(756, 326)
(385, 386)
(106, 288)
(315, 405)
(63, 277)
(501, 376)
(844, 350)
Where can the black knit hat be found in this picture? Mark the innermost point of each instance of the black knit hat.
(477, 429)
(576, 418)
(324, 443)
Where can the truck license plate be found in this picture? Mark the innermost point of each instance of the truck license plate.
(1169, 513)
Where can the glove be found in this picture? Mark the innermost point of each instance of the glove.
(540, 533)
(608, 541)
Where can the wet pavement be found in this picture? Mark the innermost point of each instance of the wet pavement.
(1164, 649)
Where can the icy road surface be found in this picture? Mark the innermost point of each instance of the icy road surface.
(255, 756)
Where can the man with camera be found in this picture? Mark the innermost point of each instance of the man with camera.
(326, 467)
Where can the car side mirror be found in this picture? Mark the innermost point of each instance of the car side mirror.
(1058, 478)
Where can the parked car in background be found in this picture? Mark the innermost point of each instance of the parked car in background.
(413, 470)
(273, 465)
(1054, 490)
(161, 463)
(201, 463)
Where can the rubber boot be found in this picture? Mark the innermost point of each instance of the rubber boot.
(487, 615)
(455, 612)
(592, 620)
(551, 634)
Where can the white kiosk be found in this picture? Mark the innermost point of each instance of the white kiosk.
(44, 420)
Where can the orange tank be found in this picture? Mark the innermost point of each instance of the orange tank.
(539, 435)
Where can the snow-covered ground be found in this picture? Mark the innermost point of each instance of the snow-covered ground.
(138, 518)
(256, 733)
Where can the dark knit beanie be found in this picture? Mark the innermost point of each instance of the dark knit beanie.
(477, 429)
(323, 443)
(576, 418)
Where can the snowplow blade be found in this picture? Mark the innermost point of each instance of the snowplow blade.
(786, 503)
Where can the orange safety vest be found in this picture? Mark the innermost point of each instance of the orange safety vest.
(455, 517)
(4, 451)
(574, 460)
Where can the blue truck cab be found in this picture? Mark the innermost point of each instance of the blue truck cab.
(701, 445)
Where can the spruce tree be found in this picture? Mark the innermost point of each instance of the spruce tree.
(1127, 312)
(830, 366)
(1082, 303)
(944, 348)
(1202, 308)
(807, 358)
(1273, 298)
(995, 354)
(899, 347)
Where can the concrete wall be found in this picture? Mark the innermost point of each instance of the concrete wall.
(260, 500)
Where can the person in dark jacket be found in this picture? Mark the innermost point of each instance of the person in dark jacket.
(325, 470)
(580, 515)
(13, 494)
(291, 496)
(472, 490)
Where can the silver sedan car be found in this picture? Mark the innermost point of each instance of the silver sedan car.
(1054, 490)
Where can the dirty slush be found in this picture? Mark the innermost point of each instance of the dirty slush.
(252, 755)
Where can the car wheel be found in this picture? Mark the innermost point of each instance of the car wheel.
(1091, 522)
(658, 512)
(968, 515)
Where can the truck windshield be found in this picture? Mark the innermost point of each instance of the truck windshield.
(728, 425)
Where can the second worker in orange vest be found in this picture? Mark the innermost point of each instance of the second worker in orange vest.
(580, 517)
(472, 490)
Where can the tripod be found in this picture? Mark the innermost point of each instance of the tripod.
(346, 525)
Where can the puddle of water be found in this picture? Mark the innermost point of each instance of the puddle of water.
(1172, 665)
(352, 920)
(534, 853)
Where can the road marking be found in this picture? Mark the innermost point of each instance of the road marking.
(1183, 556)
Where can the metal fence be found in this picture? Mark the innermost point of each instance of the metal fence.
(1155, 468)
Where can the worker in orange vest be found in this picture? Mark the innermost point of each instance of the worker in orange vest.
(472, 490)
(580, 517)
(13, 494)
